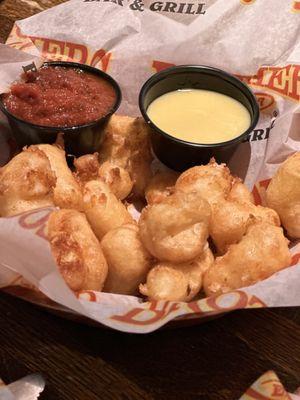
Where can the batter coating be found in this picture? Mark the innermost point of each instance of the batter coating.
(176, 229)
(283, 195)
(76, 250)
(261, 252)
(27, 182)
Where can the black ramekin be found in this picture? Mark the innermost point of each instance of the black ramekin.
(79, 139)
(179, 154)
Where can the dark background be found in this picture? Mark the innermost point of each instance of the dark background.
(215, 360)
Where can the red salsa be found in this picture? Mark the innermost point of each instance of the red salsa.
(60, 96)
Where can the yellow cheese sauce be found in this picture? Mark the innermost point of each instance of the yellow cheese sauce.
(199, 116)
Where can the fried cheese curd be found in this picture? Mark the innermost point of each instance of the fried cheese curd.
(27, 182)
(177, 282)
(128, 260)
(239, 192)
(231, 202)
(262, 251)
(102, 209)
(160, 186)
(230, 220)
(232, 215)
(86, 168)
(283, 195)
(76, 250)
(117, 178)
(126, 144)
(176, 229)
(212, 182)
(67, 192)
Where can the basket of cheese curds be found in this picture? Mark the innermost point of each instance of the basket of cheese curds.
(133, 199)
(160, 243)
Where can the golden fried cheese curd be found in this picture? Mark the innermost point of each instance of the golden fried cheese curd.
(176, 229)
(177, 282)
(262, 251)
(27, 182)
(76, 250)
(283, 194)
(102, 209)
(128, 260)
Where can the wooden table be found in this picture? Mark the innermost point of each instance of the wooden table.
(212, 361)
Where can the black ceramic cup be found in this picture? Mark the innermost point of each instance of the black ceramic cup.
(79, 139)
(180, 154)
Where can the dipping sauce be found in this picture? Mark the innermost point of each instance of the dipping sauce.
(199, 116)
(60, 97)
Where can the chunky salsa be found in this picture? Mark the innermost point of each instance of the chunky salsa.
(60, 97)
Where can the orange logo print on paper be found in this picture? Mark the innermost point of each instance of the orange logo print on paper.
(234, 300)
(147, 316)
(259, 192)
(247, 2)
(267, 387)
(284, 81)
(156, 311)
(296, 6)
(36, 220)
(264, 100)
(57, 50)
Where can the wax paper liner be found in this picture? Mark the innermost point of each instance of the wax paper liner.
(25, 251)
(258, 41)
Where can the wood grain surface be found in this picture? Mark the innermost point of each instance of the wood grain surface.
(216, 360)
(12, 10)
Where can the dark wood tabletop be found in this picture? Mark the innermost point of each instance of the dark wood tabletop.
(215, 360)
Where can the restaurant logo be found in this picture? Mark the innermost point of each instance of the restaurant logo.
(37, 221)
(156, 311)
(57, 50)
(261, 133)
(264, 100)
(284, 81)
(159, 6)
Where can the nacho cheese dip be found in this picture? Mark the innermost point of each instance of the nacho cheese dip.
(60, 97)
(199, 116)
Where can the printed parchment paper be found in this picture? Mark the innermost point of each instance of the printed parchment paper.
(258, 41)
